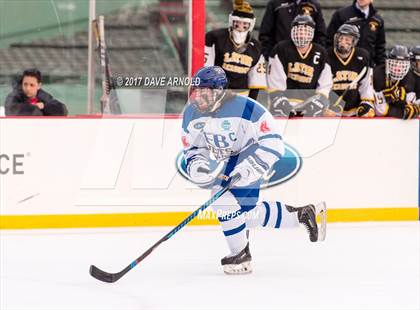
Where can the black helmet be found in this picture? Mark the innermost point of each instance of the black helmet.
(415, 58)
(399, 52)
(349, 30)
(303, 29)
(303, 20)
(398, 62)
(415, 52)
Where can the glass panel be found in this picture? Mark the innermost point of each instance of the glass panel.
(144, 38)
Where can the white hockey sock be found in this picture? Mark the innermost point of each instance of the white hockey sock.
(272, 214)
(232, 221)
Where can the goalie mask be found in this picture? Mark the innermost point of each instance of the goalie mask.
(208, 88)
(346, 38)
(415, 59)
(303, 29)
(241, 21)
(398, 63)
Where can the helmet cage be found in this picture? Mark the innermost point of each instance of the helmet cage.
(206, 99)
(397, 68)
(302, 35)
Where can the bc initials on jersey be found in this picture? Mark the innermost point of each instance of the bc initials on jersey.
(220, 145)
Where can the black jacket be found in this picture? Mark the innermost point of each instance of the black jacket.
(372, 30)
(17, 104)
(278, 17)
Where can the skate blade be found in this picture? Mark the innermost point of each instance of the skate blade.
(321, 211)
(243, 268)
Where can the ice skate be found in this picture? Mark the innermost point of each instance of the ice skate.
(239, 263)
(307, 217)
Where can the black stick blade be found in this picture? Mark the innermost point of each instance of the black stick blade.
(102, 275)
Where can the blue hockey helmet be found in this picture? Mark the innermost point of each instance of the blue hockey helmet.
(210, 77)
(208, 88)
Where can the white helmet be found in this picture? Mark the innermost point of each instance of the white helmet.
(242, 12)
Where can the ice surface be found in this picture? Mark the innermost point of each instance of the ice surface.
(359, 266)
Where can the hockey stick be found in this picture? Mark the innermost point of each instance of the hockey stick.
(350, 86)
(113, 277)
(98, 29)
(109, 100)
(387, 78)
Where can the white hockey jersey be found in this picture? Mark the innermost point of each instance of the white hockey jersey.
(241, 126)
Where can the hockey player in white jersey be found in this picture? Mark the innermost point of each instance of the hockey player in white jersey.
(239, 136)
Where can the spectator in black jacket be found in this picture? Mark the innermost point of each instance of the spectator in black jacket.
(276, 24)
(28, 99)
(371, 27)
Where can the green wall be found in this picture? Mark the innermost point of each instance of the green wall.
(30, 20)
(25, 20)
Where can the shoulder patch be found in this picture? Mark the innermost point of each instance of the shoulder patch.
(264, 127)
(185, 142)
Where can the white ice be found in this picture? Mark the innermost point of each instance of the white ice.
(359, 266)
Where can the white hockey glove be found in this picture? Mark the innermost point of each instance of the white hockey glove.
(198, 170)
(249, 170)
